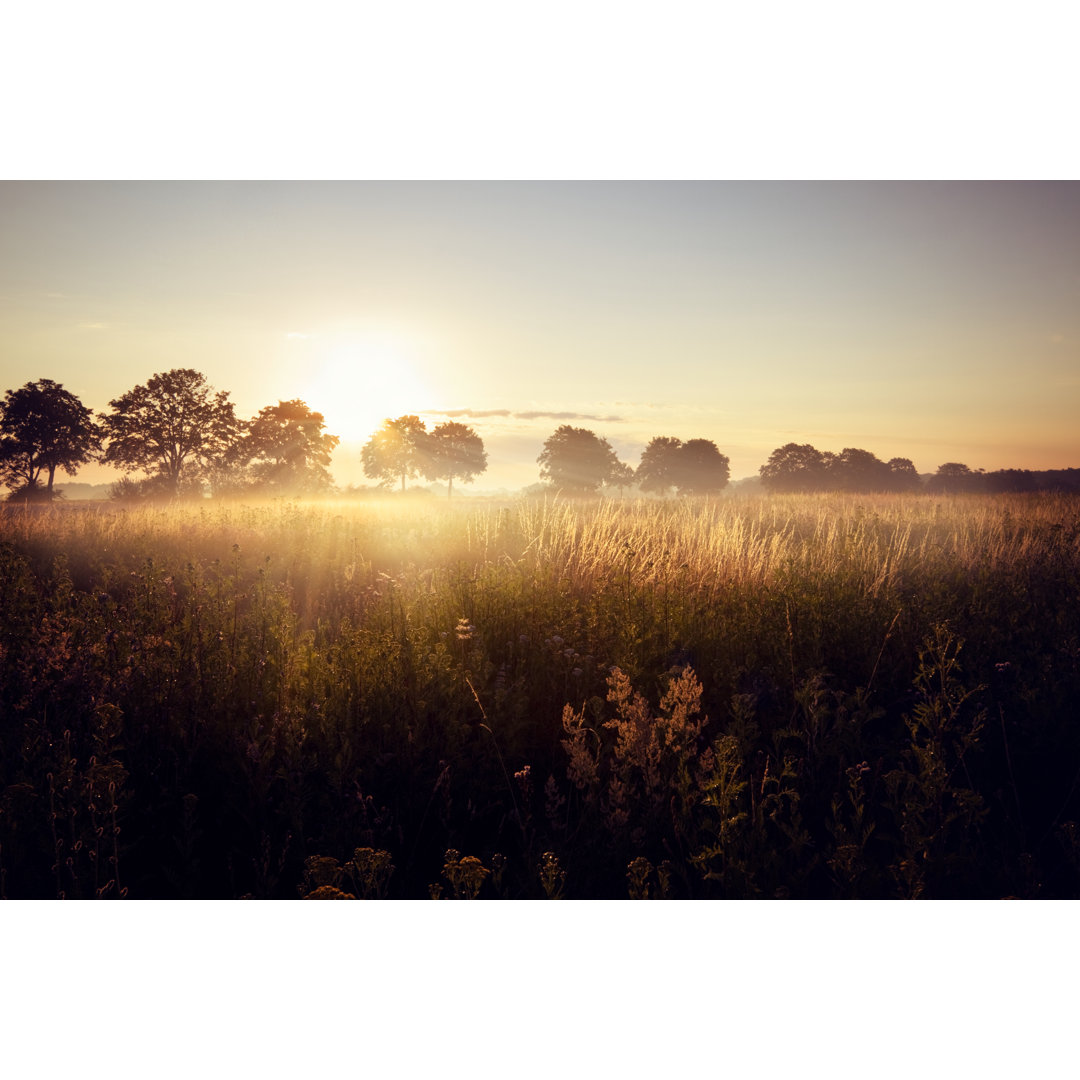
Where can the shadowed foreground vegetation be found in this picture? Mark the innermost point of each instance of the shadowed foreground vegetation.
(786, 696)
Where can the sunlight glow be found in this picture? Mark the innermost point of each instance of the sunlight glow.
(360, 381)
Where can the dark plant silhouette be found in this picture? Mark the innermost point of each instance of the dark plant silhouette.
(397, 450)
(700, 468)
(622, 477)
(656, 472)
(953, 477)
(287, 449)
(695, 467)
(43, 427)
(577, 461)
(858, 470)
(794, 467)
(175, 428)
(454, 451)
(903, 475)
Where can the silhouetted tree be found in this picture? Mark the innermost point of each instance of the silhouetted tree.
(397, 449)
(577, 461)
(659, 464)
(287, 450)
(1002, 480)
(175, 428)
(858, 471)
(700, 468)
(43, 427)
(622, 477)
(953, 477)
(453, 451)
(795, 467)
(903, 475)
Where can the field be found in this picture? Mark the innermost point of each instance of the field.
(750, 697)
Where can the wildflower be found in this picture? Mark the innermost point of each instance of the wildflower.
(552, 876)
(329, 892)
(524, 782)
(464, 629)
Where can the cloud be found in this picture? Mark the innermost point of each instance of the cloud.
(94, 326)
(1056, 339)
(295, 335)
(472, 414)
(479, 414)
(566, 416)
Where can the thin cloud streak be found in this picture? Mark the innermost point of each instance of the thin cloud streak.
(480, 414)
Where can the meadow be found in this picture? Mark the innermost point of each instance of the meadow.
(757, 696)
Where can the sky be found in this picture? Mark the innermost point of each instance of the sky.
(938, 321)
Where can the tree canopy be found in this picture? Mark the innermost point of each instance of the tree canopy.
(175, 428)
(903, 474)
(695, 467)
(452, 452)
(183, 434)
(577, 461)
(700, 468)
(287, 450)
(794, 467)
(859, 470)
(953, 477)
(43, 427)
(658, 466)
(397, 450)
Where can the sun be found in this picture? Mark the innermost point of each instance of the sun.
(358, 383)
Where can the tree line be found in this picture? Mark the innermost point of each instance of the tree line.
(175, 429)
(802, 467)
(185, 437)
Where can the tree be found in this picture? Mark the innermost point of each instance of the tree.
(622, 477)
(794, 468)
(577, 461)
(904, 476)
(453, 451)
(700, 468)
(859, 471)
(175, 428)
(287, 449)
(659, 464)
(397, 449)
(43, 427)
(953, 477)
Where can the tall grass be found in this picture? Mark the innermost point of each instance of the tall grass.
(761, 696)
